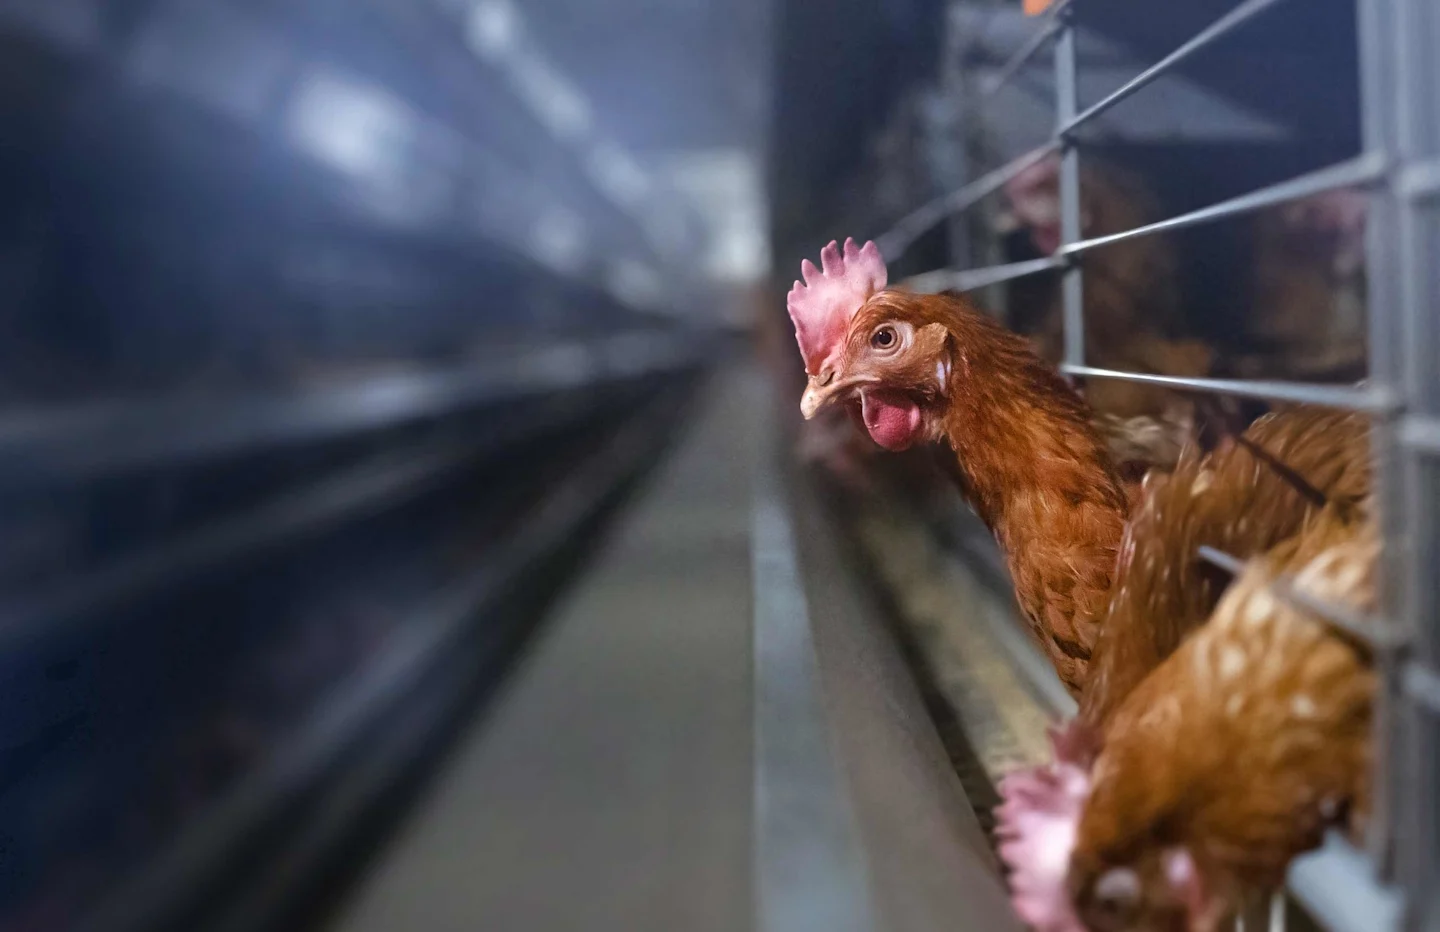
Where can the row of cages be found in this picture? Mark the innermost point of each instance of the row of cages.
(1248, 213)
(315, 345)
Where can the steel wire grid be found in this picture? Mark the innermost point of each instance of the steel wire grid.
(1387, 886)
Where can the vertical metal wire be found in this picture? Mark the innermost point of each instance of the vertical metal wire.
(1402, 120)
(1400, 98)
(1266, 915)
(1378, 84)
(1415, 30)
(956, 81)
(1278, 911)
(1066, 105)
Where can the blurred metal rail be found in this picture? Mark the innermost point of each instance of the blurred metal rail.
(75, 442)
(1373, 633)
(972, 544)
(810, 869)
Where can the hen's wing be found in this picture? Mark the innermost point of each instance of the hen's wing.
(1230, 500)
(1253, 737)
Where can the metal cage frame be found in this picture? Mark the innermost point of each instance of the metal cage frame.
(1384, 887)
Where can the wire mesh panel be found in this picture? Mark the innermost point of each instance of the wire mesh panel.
(1400, 165)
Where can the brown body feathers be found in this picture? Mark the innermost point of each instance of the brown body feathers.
(1030, 461)
(1243, 745)
(1229, 500)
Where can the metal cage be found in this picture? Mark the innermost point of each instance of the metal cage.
(1387, 886)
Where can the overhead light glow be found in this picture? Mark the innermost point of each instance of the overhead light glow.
(617, 175)
(492, 29)
(353, 127)
(558, 239)
(726, 188)
(554, 100)
(634, 283)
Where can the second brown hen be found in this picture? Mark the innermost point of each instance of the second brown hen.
(1244, 498)
(1236, 753)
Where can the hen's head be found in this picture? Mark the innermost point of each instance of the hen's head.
(1055, 889)
(1330, 225)
(1129, 871)
(1034, 197)
(1111, 199)
(882, 353)
(1161, 890)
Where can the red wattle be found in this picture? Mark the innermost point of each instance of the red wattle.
(892, 419)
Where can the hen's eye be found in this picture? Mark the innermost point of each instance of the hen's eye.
(884, 338)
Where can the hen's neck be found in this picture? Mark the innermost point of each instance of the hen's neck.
(1034, 468)
(1016, 449)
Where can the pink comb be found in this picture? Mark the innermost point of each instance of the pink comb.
(1036, 824)
(1045, 172)
(822, 305)
(1034, 196)
(1341, 210)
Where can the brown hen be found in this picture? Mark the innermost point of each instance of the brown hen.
(1307, 319)
(1022, 446)
(1235, 499)
(1025, 453)
(1239, 750)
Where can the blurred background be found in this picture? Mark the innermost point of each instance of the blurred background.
(344, 343)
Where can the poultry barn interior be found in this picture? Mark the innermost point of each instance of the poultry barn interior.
(411, 524)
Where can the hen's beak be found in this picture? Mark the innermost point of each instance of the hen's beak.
(825, 388)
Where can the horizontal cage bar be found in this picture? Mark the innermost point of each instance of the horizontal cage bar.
(1028, 50)
(1377, 635)
(1213, 33)
(1420, 180)
(1337, 885)
(1370, 400)
(895, 241)
(900, 237)
(1421, 433)
(971, 279)
(1422, 685)
(1362, 170)
(1365, 169)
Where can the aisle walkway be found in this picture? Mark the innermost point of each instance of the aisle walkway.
(609, 786)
